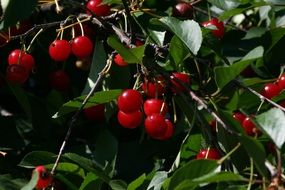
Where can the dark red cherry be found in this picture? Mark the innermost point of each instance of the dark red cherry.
(249, 127)
(177, 87)
(129, 101)
(95, 113)
(130, 120)
(183, 10)
(59, 80)
(281, 82)
(120, 61)
(155, 126)
(98, 8)
(170, 130)
(59, 50)
(82, 47)
(44, 178)
(239, 116)
(270, 90)
(219, 32)
(17, 74)
(211, 153)
(153, 89)
(152, 106)
(23, 58)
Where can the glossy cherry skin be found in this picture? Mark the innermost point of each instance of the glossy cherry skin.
(95, 113)
(120, 61)
(270, 90)
(59, 50)
(17, 74)
(129, 101)
(211, 153)
(177, 87)
(23, 58)
(281, 82)
(44, 178)
(249, 127)
(59, 80)
(153, 89)
(155, 126)
(82, 47)
(239, 116)
(170, 130)
(130, 120)
(152, 106)
(97, 8)
(219, 32)
(183, 10)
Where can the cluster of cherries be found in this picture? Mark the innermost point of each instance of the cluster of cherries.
(271, 90)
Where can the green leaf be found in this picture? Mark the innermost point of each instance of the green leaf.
(272, 122)
(118, 185)
(192, 170)
(36, 158)
(188, 31)
(256, 151)
(98, 98)
(91, 182)
(88, 165)
(65, 167)
(137, 182)
(178, 51)
(130, 55)
(276, 35)
(33, 182)
(254, 32)
(158, 180)
(225, 74)
(15, 10)
(218, 177)
(224, 4)
(7, 182)
(98, 63)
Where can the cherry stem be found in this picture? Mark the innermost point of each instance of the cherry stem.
(251, 175)
(81, 27)
(75, 117)
(229, 154)
(34, 38)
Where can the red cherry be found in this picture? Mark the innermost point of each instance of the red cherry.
(130, 100)
(155, 126)
(95, 113)
(219, 32)
(239, 116)
(170, 130)
(211, 153)
(151, 106)
(20, 57)
(59, 50)
(81, 47)
(59, 80)
(249, 127)
(184, 78)
(139, 43)
(17, 74)
(130, 120)
(120, 61)
(270, 90)
(281, 82)
(44, 178)
(153, 88)
(183, 10)
(97, 8)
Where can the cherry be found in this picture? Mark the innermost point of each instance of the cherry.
(59, 80)
(130, 100)
(270, 90)
(219, 32)
(120, 61)
(177, 87)
(281, 82)
(156, 126)
(153, 88)
(44, 178)
(17, 74)
(170, 130)
(211, 153)
(81, 47)
(213, 125)
(130, 120)
(95, 113)
(239, 116)
(151, 106)
(97, 8)
(23, 58)
(183, 10)
(59, 50)
(249, 127)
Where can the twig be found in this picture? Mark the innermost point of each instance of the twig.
(77, 113)
(129, 17)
